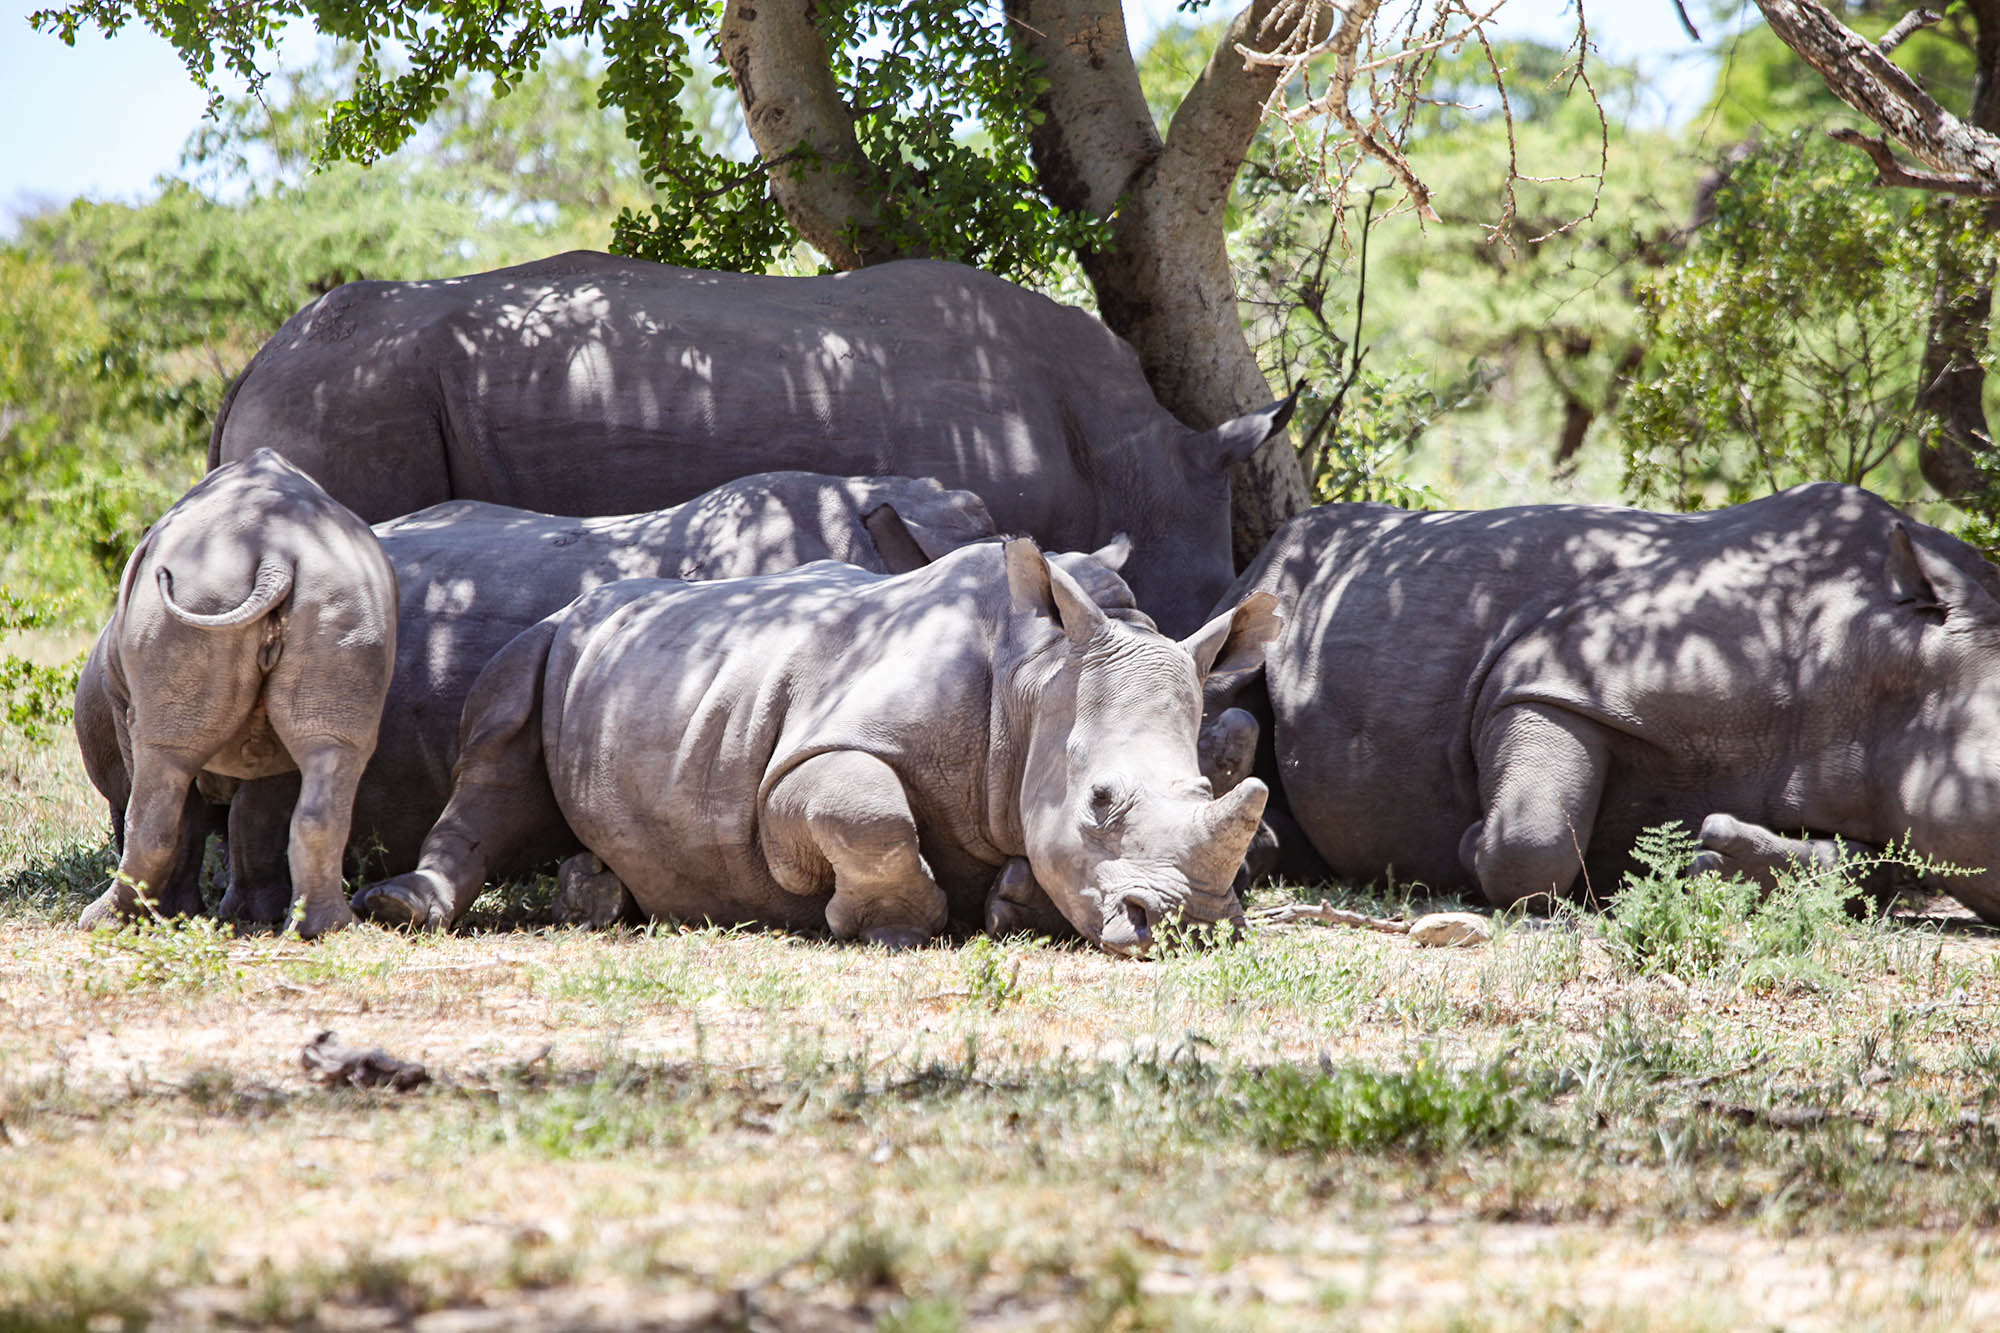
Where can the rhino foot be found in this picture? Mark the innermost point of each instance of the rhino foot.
(325, 917)
(108, 909)
(589, 895)
(269, 904)
(418, 901)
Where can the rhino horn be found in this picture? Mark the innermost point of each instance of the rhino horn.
(1229, 821)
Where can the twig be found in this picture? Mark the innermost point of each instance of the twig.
(1686, 23)
(1783, 1117)
(1327, 916)
(1908, 24)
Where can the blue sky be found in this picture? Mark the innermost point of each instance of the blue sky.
(103, 118)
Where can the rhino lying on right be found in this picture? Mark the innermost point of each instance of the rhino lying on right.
(831, 749)
(1502, 699)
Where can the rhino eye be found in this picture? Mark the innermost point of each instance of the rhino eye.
(1107, 804)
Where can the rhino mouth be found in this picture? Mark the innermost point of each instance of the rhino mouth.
(1142, 921)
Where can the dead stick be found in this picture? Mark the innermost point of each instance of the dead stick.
(1328, 916)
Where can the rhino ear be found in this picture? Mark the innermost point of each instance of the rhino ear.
(1114, 553)
(1239, 437)
(1040, 588)
(899, 548)
(1233, 643)
(1928, 583)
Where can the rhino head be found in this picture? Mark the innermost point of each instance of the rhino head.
(1121, 829)
(1935, 734)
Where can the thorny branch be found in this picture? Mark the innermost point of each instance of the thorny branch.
(1357, 82)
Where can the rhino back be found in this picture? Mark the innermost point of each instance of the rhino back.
(670, 709)
(669, 381)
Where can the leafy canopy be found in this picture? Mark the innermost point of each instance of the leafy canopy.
(1785, 345)
(916, 72)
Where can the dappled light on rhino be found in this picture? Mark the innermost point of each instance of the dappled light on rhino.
(588, 384)
(1505, 699)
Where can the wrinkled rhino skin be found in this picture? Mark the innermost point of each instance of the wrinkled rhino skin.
(474, 575)
(590, 384)
(831, 749)
(254, 634)
(1502, 698)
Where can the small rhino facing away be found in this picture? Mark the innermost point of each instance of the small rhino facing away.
(255, 634)
(831, 749)
(1505, 698)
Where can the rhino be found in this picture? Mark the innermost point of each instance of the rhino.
(1503, 700)
(473, 575)
(254, 634)
(590, 384)
(833, 749)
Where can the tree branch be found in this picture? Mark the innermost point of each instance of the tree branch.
(1096, 132)
(1864, 77)
(1216, 122)
(1894, 173)
(805, 132)
(1687, 24)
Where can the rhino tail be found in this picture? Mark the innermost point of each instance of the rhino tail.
(273, 584)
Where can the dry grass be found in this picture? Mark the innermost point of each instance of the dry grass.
(709, 1129)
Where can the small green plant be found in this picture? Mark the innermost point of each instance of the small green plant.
(1711, 927)
(992, 975)
(1424, 1108)
(155, 953)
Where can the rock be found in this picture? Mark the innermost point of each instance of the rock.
(1451, 930)
(331, 1063)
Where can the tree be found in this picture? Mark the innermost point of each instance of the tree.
(1963, 160)
(858, 111)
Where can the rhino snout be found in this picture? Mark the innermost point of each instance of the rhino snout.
(1130, 926)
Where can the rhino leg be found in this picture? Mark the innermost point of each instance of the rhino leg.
(329, 771)
(589, 895)
(1541, 774)
(1732, 846)
(844, 814)
(155, 825)
(1016, 904)
(501, 799)
(260, 887)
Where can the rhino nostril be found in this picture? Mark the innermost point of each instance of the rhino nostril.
(1142, 915)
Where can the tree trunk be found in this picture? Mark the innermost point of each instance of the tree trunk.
(1164, 284)
(1952, 381)
(804, 131)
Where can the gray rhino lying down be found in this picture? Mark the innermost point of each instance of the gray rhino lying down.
(591, 384)
(1500, 698)
(255, 633)
(834, 749)
(474, 575)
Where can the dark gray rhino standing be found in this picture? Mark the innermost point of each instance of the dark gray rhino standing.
(254, 634)
(831, 749)
(474, 575)
(1499, 698)
(588, 384)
